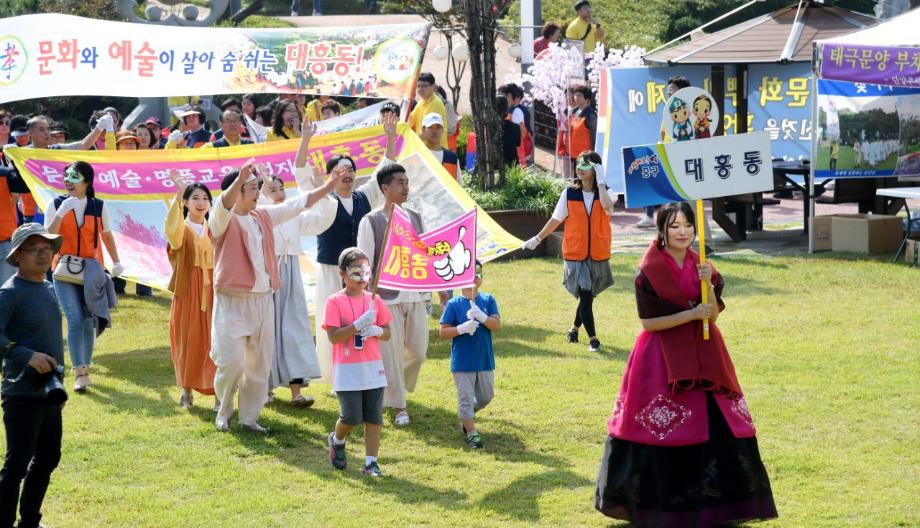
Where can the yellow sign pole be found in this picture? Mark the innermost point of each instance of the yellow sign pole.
(704, 283)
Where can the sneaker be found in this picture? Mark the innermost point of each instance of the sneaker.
(222, 425)
(647, 221)
(295, 13)
(336, 453)
(402, 419)
(81, 383)
(474, 441)
(594, 345)
(573, 336)
(255, 428)
(271, 397)
(372, 470)
(302, 401)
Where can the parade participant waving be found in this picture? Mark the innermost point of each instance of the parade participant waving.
(585, 209)
(245, 276)
(681, 449)
(294, 362)
(191, 254)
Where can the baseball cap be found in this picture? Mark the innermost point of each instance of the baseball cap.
(58, 127)
(153, 121)
(18, 126)
(31, 229)
(432, 118)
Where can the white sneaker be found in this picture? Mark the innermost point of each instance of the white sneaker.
(255, 428)
(647, 221)
(402, 419)
(222, 425)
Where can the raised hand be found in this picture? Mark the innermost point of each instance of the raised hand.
(319, 175)
(389, 123)
(308, 127)
(178, 181)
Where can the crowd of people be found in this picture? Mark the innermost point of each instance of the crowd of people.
(239, 326)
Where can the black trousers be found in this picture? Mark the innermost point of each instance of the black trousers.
(33, 450)
(584, 314)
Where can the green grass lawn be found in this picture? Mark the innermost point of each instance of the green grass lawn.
(846, 159)
(825, 348)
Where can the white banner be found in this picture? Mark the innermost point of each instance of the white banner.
(60, 55)
(702, 168)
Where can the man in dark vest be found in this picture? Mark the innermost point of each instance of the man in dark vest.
(405, 352)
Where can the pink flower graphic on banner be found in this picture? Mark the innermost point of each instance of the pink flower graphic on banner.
(142, 249)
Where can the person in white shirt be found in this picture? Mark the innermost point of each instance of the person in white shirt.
(405, 352)
(245, 276)
(294, 362)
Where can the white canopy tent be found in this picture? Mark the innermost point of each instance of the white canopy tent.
(885, 54)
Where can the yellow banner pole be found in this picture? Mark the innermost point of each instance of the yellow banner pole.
(704, 283)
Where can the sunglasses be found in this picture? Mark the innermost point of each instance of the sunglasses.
(585, 166)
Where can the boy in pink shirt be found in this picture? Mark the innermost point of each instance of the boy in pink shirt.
(354, 321)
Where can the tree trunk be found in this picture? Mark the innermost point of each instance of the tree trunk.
(480, 35)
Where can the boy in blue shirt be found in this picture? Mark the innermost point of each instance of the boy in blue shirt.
(469, 326)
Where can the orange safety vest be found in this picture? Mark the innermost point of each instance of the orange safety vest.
(81, 240)
(7, 212)
(450, 162)
(28, 204)
(585, 235)
(579, 136)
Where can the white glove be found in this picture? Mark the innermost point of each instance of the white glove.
(475, 313)
(532, 243)
(176, 136)
(468, 327)
(117, 269)
(366, 319)
(600, 176)
(372, 331)
(106, 123)
(67, 206)
(455, 262)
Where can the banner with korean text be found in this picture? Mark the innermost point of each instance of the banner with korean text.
(437, 260)
(630, 101)
(703, 168)
(137, 190)
(867, 130)
(59, 55)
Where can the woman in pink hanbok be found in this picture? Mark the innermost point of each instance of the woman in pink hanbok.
(681, 448)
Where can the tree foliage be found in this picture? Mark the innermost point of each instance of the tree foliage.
(651, 23)
(103, 9)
